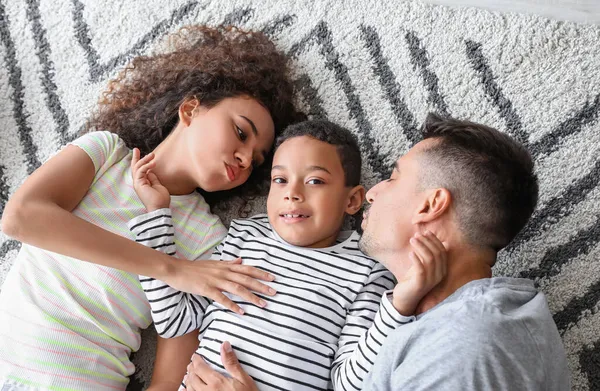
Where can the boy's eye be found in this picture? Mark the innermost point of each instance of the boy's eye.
(278, 180)
(241, 133)
(315, 182)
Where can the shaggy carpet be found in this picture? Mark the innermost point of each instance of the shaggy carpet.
(375, 67)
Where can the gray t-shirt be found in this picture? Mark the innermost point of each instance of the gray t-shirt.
(491, 334)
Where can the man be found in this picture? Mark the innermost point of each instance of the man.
(474, 189)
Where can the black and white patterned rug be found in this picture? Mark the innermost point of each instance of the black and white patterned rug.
(375, 67)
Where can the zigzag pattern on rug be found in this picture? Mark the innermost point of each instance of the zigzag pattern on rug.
(377, 79)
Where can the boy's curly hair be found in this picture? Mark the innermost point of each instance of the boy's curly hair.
(209, 63)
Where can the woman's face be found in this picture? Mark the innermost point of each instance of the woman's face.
(226, 141)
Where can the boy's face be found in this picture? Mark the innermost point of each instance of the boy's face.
(308, 197)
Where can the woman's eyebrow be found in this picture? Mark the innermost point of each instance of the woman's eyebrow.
(254, 130)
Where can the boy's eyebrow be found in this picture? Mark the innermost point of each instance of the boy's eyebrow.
(318, 168)
(311, 168)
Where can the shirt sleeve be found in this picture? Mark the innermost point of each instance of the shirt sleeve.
(174, 313)
(370, 319)
(104, 149)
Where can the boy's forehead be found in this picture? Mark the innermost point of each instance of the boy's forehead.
(306, 151)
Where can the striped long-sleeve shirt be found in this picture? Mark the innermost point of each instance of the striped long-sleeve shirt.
(321, 330)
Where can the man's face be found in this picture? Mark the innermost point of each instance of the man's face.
(388, 222)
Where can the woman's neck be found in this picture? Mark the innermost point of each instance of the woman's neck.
(169, 168)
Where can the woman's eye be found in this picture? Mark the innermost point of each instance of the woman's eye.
(278, 180)
(315, 182)
(241, 133)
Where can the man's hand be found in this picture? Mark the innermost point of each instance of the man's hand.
(201, 377)
(146, 184)
(428, 269)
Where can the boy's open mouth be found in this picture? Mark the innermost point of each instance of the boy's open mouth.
(294, 217)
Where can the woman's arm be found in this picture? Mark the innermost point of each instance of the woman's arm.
(172, 358)
(39, 213)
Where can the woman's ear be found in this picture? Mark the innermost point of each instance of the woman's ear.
(187, 109)
(356, 198)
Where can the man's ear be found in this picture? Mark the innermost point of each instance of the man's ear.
(356, 198)
(187, 109)
(436, 203)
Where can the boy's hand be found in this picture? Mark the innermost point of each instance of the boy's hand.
(146, 184)
(429, 267)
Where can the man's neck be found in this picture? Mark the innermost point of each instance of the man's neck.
(463, 267)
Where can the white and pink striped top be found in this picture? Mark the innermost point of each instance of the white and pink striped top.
(71, 325)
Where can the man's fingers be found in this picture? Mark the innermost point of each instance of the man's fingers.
(193, 382)
(231, 363)
(203, 373)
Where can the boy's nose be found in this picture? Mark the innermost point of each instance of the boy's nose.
(294, 195)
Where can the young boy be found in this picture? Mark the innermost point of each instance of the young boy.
(327, 320)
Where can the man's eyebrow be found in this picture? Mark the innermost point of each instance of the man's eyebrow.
(254, 130)
(396, 166)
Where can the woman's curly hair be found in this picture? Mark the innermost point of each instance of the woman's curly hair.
(207, 63)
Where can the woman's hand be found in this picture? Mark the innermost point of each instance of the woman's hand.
(211, 278)
(201, 377)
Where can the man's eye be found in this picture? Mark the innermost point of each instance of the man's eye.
(241, 133)
(278, 180)
(315, 182)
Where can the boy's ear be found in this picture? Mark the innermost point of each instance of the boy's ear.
(356, 198)
(186, 110)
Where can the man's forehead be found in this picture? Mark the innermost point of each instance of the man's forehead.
(415, 150)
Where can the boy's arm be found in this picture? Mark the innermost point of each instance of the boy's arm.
(369, 321)
(174, 313)
(356, 353)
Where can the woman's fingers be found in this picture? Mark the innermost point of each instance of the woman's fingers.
(225, 301)
(252, 272)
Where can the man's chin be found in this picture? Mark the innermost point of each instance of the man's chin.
(363, 244)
